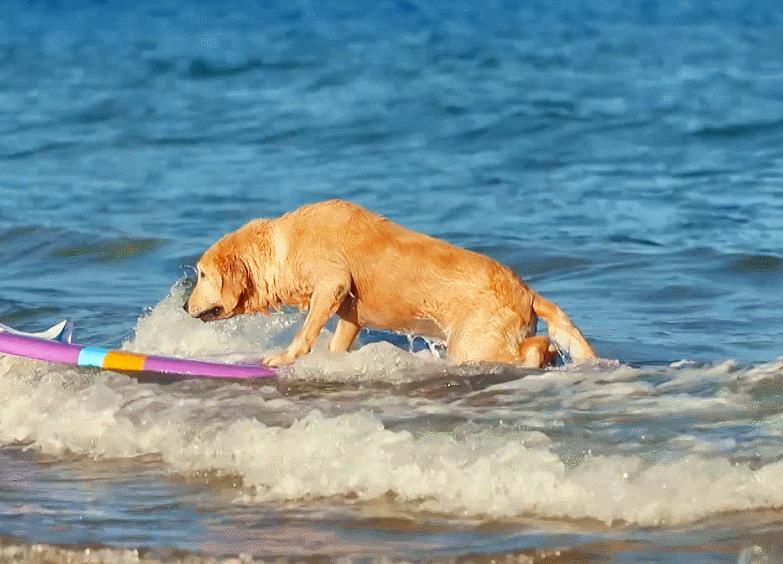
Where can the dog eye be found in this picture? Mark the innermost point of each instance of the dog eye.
(201, 275)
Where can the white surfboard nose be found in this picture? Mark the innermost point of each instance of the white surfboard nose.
(62, 332)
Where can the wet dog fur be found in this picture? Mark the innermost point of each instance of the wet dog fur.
(338, 258)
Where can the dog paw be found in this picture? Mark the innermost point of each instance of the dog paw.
(279, 359)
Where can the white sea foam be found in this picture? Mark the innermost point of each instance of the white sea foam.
(375, 361)
(501, 454)
(168, 329)
(477, 474)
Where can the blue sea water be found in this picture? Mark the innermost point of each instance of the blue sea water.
(625, 158)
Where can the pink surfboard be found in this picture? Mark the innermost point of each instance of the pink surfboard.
(54, 346)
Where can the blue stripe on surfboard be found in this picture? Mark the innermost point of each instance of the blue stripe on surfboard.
(92, 356)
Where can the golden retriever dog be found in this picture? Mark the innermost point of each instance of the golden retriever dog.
(336, 257)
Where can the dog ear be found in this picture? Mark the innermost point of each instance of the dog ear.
(234, 282)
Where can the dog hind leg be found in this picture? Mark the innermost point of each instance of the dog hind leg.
(536, 352)
(483, 337)
(495, 338)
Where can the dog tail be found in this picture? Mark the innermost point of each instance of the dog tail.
(562, 331)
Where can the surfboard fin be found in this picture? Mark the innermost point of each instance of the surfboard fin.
(61, 332)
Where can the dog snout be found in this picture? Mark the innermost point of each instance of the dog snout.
(186, 307)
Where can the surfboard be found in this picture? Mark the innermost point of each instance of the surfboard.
(54, 345)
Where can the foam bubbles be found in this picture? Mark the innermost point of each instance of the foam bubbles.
(496, 475)
(380, 361)
(168, 330)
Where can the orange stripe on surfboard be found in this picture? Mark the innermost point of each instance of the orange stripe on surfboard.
(117, 360)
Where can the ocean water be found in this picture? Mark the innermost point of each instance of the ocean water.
(626, 158)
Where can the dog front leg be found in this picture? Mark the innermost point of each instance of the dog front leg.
(325, 301)
(347, 326)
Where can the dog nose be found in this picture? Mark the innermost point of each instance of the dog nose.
(185, 307)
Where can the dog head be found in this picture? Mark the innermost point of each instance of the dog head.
(223, 282)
